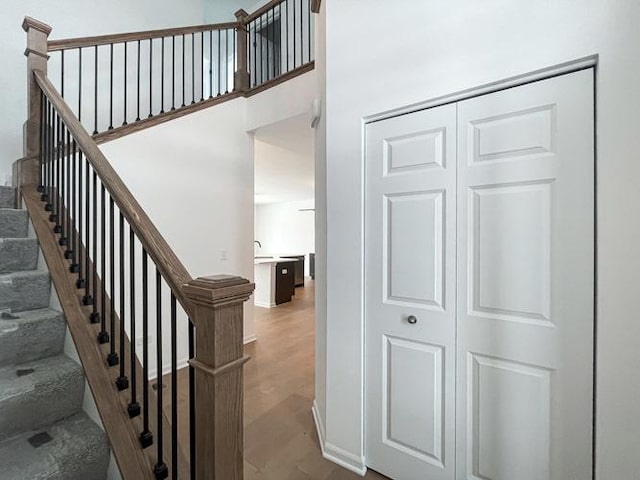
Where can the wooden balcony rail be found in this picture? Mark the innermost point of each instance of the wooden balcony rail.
(120, 285)
(117, 84)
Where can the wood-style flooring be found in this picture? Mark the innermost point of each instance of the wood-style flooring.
(280, 437)
(280, 440)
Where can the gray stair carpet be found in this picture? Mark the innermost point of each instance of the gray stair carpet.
(44, 434)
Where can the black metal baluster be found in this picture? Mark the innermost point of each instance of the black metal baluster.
(280, 35)
(60, 224)
(249, 30)
(287, 31)
(81, 280)
(66, 203)
(201, 66)
(211, 64)
(162, 75)
(173, 72)
(54, 168)
(219, 65)
(192, 404)
(44, 128)
(80, 84)
(126, 68)
(301, 35)
(46, 196)
(112, 358)
(255, 53)
(62, 73)
(122, 382)
(146, 437)
(134, 407)
(111, 86)
(294, 34)
(226, 61)
(273, 42)
(150, 77)
(193, 68)
(261, 52)
(138, 85)
(103, 335)
(95, 90)
(174, 390)
(50, 138)
(42, 154)
(56, 179)
(87, 299)
(73, 234)
(233, 56)
(160, 469)
(183, 67)
(95, 315)
(309, 29)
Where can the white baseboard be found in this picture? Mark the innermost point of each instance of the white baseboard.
(319, 424)
(336, 454)
(249, 339)
(258, 303)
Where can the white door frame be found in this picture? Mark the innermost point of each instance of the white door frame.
(585, 63)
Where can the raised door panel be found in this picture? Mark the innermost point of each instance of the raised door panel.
(413, 254)
(525, 282)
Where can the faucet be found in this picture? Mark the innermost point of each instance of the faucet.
(259, 244)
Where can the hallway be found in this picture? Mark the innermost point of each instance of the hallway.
(280, 437)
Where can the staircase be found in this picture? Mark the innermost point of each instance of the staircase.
(44, 434)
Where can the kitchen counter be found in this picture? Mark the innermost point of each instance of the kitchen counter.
(274, 280)
(260, 261)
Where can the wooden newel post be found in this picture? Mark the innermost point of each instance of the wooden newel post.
(218, 370)
(27, 170)
(242, 79)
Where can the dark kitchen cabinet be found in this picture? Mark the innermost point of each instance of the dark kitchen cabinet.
(299, 273)
(285, 281)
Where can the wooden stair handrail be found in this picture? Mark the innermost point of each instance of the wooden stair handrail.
(66, 43)
(79, 42)
(171, 268)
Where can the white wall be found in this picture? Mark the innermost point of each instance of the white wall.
(319, 407)
(289, 99)
(221, 11)
(283, 229)
(194, 178)
(434, 49)
(68, 19)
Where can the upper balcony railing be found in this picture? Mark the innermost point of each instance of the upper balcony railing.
(112, 82)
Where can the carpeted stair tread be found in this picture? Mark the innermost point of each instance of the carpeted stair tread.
(21, 291)
(7, 197)
(18, 254)
(72, 449)
(13, 223)
(35, 394)
(31, 335)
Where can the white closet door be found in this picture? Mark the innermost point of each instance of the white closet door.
(410, 294)
(526, 282)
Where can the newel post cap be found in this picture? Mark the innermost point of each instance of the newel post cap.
(241, 14)
(31, 23)
(218, 290)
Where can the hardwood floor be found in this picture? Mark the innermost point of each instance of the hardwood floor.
(280, 436)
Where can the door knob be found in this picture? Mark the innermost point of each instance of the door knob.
(412, 319)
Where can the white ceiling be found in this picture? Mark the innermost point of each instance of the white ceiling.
(284, 169)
